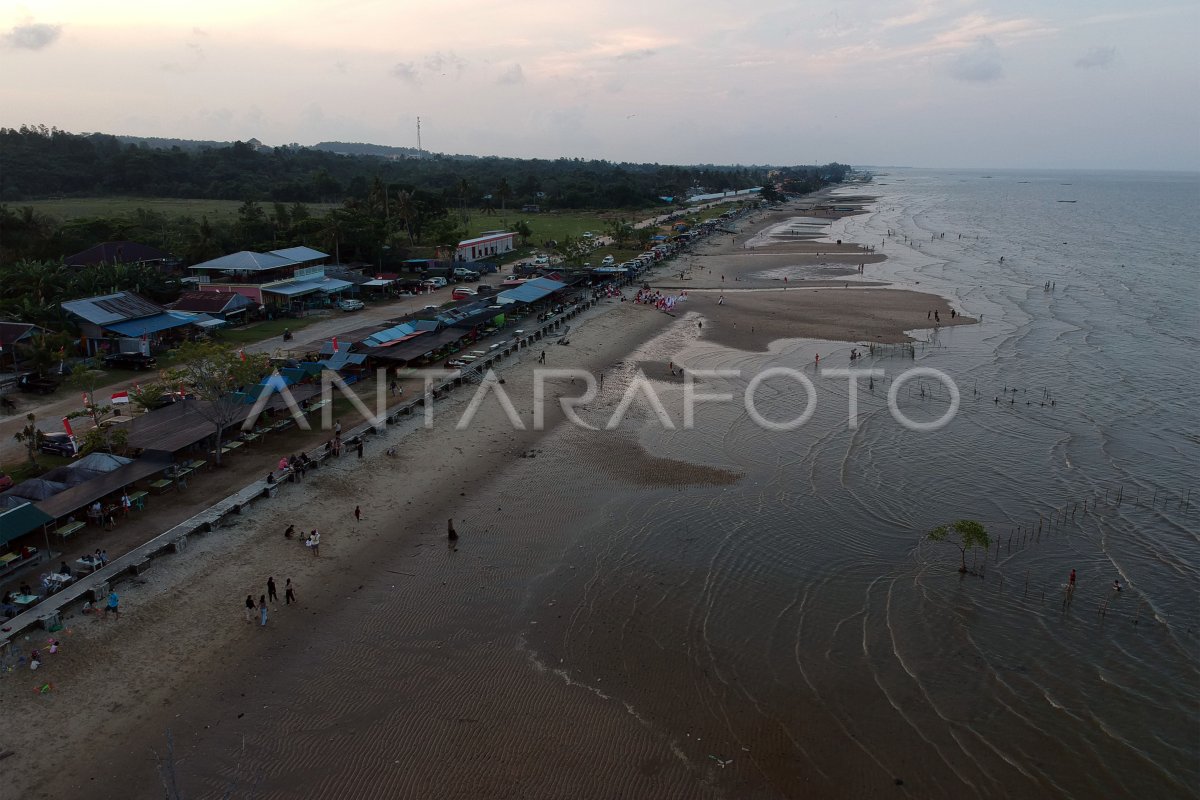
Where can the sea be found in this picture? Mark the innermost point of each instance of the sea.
(765, 605)
(796, 634)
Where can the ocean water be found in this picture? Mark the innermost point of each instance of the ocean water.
(792, 634)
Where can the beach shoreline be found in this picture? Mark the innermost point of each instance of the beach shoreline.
(180, 655)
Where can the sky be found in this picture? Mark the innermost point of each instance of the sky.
(1086, 84)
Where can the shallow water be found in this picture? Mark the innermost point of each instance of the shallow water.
(796, 623)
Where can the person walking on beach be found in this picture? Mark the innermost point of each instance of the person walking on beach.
(289, 593)
(358, 513)
(337, 428)
(451, 534)
(291, 530)
(114, 605)
(250, 608)
(314, 541)
(360, 447)
(271, 593)
(262, 610)
(542, 358)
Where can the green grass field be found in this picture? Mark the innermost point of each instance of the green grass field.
(556, 225)
(76, 207)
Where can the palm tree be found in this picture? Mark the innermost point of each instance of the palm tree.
(503, 191)
(463, 188)
(405, 207)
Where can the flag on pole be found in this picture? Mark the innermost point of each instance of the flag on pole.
(67, 427)
(335, 346)
(120, 397)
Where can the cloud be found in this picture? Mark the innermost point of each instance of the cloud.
(637, 55)
(445, 63)
(982, 63)
(1102, 57)
(34, 36)
(406, 71)
(511, 76)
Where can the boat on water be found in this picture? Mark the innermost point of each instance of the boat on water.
(1067, 201)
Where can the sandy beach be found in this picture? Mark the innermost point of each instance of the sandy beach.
(405, 668)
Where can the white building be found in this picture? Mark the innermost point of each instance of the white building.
(491, 243)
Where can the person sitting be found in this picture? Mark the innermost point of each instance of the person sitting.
(25, 590)
(270, 478)
(103, 557)
(64, 569)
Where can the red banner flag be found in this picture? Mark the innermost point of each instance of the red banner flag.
(335, 347)
(67, 427)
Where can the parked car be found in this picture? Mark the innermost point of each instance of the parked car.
(485, 288)
(58, 443)
(351, 305)
(462, 293)
(431, 308)
(608, 261)
(462, 273)
(165, 399)
(541, 261)
(134, 361)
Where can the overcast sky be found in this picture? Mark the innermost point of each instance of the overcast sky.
(995, 83)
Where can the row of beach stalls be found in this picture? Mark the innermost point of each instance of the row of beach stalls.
(433, 336)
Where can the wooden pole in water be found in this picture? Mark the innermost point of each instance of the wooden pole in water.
(1120, 494)
(1026, 584)
(1187, 503)
(1154, 499)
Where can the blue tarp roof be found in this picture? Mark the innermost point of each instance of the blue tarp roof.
(531, 291)
(158, 322)
(342, 358)
(390, 334)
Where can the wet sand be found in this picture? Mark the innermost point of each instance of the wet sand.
(404, 671)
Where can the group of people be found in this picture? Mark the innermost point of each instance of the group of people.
(656, 298)
(312, 541)
(271, 596)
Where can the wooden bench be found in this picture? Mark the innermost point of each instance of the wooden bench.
(138, 500)
(160, 485)
(66, 530)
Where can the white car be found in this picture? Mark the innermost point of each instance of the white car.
(541, 261)
(608, 261)
(351, 305)
(587, 234)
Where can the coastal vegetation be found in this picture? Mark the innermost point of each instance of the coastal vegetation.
(214, 375)
(965, 534)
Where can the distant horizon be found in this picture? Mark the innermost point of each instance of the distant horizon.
(856, 166)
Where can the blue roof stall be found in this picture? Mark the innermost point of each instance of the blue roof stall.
(531, 291)
(156, 323)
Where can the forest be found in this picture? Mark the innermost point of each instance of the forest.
(39, 162)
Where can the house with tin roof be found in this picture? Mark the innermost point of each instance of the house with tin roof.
(127, 322)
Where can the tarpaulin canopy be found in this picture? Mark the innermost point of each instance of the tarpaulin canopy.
(19, 521)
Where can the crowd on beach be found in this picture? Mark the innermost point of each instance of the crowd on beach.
(659, 299)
